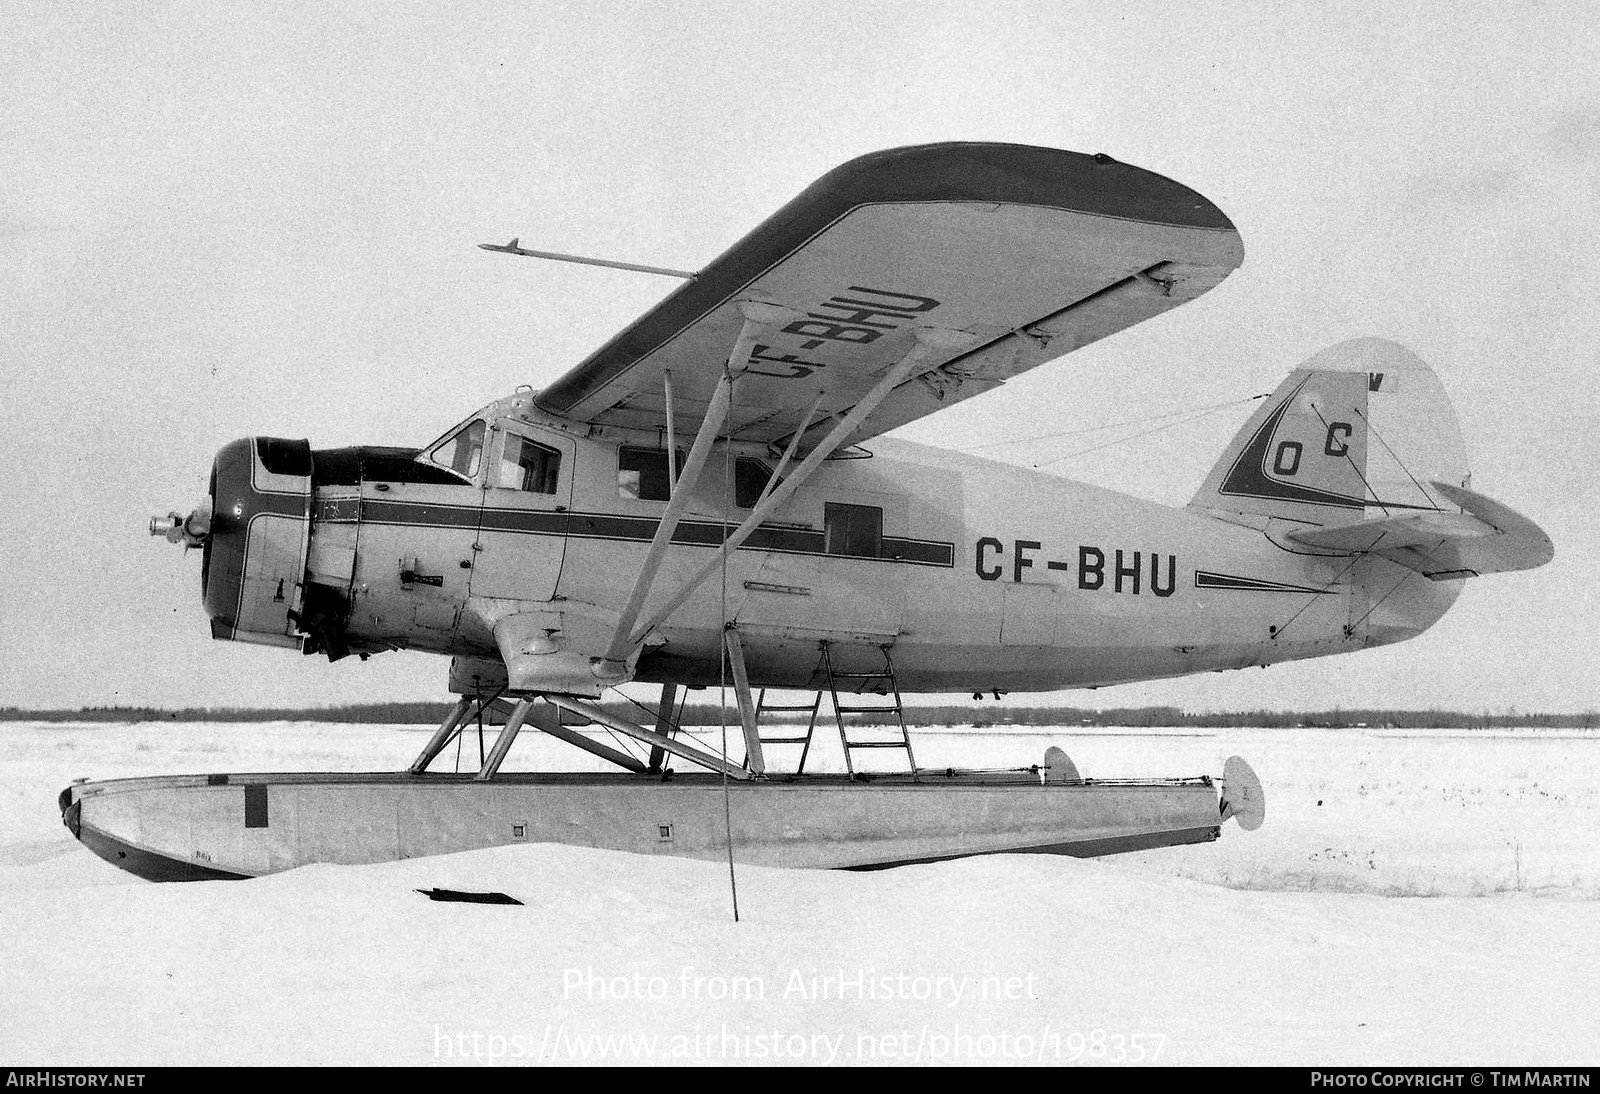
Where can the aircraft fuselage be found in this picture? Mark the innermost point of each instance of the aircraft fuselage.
(982, 576)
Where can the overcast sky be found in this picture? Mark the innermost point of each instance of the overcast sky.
(219, 220)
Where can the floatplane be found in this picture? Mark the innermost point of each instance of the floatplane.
(711, 496)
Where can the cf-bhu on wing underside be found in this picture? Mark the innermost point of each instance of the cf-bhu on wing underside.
(1020, 254)
(678, 508)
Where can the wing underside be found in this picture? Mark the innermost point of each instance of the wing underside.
(1016, 255)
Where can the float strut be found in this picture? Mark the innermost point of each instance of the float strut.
(664, 726)
(441, 736)
(595, 713)
(548, 720)
(754, 759)
(502, 743)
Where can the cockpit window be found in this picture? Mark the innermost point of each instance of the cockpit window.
(529, 466)
(462, 451)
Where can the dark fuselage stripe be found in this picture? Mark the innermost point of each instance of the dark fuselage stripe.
(425, 515)
(1205, 580)
(540, 522)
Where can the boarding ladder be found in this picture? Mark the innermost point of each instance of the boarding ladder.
(863, 682)
(803, 740)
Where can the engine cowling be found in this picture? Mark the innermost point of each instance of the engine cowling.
(255, 550)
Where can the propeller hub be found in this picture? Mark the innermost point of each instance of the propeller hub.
(191, 531)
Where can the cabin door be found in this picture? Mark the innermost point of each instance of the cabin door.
(522, 526)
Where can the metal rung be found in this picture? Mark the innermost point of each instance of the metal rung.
(894, 707)
(797, 737)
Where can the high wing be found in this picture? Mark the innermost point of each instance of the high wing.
(987, 258)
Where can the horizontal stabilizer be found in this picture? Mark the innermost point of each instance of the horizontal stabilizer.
(1485, 537)
(1393, 533)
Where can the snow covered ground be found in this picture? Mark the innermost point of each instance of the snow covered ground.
(1415, 897)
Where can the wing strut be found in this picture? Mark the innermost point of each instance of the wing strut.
(788, 453)
(672, 433)
(929, 340)
(758, 318)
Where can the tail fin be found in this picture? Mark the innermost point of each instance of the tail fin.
(1363, 425)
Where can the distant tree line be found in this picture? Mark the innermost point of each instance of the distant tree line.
(988, 714)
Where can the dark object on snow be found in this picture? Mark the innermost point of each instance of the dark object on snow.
(468, 898)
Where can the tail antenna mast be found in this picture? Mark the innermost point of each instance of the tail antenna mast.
(515, 248)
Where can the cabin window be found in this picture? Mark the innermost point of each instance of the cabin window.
(642, 473)
(528, 466)
(463, 451)
(750, 478)
(853, 529)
